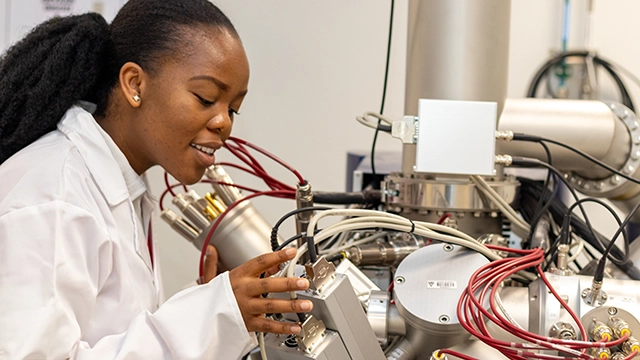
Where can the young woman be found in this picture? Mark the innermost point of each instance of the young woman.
(85, 109)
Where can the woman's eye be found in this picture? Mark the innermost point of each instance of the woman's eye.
(204, 101)
(232, 113)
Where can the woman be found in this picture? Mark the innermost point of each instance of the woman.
(77, 274)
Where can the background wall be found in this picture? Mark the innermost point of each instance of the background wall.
(317, 65)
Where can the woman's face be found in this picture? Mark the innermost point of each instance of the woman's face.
(187, 105)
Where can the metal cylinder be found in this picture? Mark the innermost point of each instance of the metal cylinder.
(456, 50)
(304, 198)
(388, 253)
(590, 126)
(242, 235)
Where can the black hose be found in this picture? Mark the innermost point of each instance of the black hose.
(366, 197)
(537, 78)
(531, 190)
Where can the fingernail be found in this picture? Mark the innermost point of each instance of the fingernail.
(290, 252)
(303, 283)
(306, 305)
(209, 251)
(295, 329)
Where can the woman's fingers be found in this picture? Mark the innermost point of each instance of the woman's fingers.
(260, 306)
(262, 263)
(261, 324)
(268, 285)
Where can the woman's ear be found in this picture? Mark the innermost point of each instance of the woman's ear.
(132, 83)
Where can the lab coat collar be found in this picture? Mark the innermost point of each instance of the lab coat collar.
(103, 157)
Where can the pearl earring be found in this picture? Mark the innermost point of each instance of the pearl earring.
(136, 98)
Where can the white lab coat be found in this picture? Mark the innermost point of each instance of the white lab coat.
(76, 278)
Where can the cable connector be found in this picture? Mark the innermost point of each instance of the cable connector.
(319, 273)
(406, 129)
(313, 330)
(594, 296)
(506, 135)
(632, 344)
(505, 160)
(437, 355)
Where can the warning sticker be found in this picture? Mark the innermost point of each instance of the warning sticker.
(441, 284)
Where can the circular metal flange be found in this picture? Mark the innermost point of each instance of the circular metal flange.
(602, 298)
(613, 185)
(603, 314)
(417, 191)
(440, 276)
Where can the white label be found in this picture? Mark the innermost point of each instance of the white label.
(441, 284)
(623, 299)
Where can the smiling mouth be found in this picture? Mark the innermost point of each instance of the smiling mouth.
(204, 149)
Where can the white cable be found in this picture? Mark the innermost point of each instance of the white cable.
(365, 240)
(488, 191)
(504, 311)
(521, 228)
(580, 244)
(364, 119)
(263, 349)
(368, 219)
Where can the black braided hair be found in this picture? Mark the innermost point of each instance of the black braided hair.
(68, 59)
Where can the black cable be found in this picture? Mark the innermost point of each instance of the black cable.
(531, 189)
(599, 272)
(612, 212)
(292, 239)
(535, 82)
(274, 230)
(540, 210)
(537, 163)
(311, 249)
(384, 93)
(287, 242)
(538, 139)
(365, 197)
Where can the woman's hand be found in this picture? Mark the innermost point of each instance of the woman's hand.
(210, 264)
(248, 288)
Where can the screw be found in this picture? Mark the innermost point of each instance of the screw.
(612, 311)
(400, 280)
(447, 247)
(444, 319)
(584, 294)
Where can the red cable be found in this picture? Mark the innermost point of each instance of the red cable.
(443, 218)
(166, 182)
(491, 276)
(456, 354)
(271, 156)
(241, 153)
(221, 216)
(164, 193)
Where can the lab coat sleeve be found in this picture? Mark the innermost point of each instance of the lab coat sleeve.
(51, 272)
